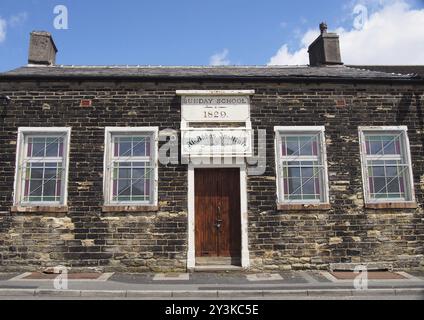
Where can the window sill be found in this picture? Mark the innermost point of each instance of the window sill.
(392, 205)
(39, 209)
(121, 208)
(299, 207)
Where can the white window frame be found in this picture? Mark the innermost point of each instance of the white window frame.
(410, 188)
(21, 147)
(320, 130)
(107, 170)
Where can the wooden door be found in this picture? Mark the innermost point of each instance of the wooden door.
(217, 212)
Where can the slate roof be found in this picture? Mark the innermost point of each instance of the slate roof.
(204, 72)
(419, 70)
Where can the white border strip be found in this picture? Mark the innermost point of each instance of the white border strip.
(20, 277)
(264, 277)
(171, 277)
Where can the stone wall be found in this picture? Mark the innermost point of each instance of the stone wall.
(85, 237)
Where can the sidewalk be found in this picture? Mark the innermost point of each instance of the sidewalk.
(280, 285)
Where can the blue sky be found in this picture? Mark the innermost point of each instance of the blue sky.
(165, 32)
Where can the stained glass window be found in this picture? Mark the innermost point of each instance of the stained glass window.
(302, 171)
(387, 166)
(42, 167)
(132, 168)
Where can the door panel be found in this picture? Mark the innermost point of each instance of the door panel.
(206, 199)
(229, 213)
(217, 213)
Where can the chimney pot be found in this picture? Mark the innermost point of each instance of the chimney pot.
(42, 49)
(323, 27)
(325, 50)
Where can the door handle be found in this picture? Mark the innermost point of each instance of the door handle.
(218, 224)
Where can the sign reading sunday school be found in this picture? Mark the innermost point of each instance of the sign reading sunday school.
(215, 108)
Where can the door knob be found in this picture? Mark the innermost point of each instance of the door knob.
(218, 223)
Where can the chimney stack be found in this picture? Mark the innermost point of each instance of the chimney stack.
(42, 50)
(325, 50)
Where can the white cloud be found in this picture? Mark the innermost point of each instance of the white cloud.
(392, 34)
(18, 19)
(14, 21)
(3, 26)
(220, 58)
(285, 57)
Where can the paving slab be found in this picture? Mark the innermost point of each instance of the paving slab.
(417, 273)
(58, 293)
(410, 291)
(264, 277)
(17, 292)
(314, 276)
(237, 293)
(321, 293)
(195, 294)
(171, 277)
(7, 276)
(372, 275)
(132, 278)
(373, 292)
(277, 293)
(149, 294)
(103, 293)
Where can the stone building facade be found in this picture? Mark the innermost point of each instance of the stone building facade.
(81, 225)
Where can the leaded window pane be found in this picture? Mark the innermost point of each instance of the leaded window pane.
(302, 170)
(132, 168)
(387, 179)
(43, 177)
(387, 166)
(300, 145)
(383, 144)
(42, 147)
(132, 146)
